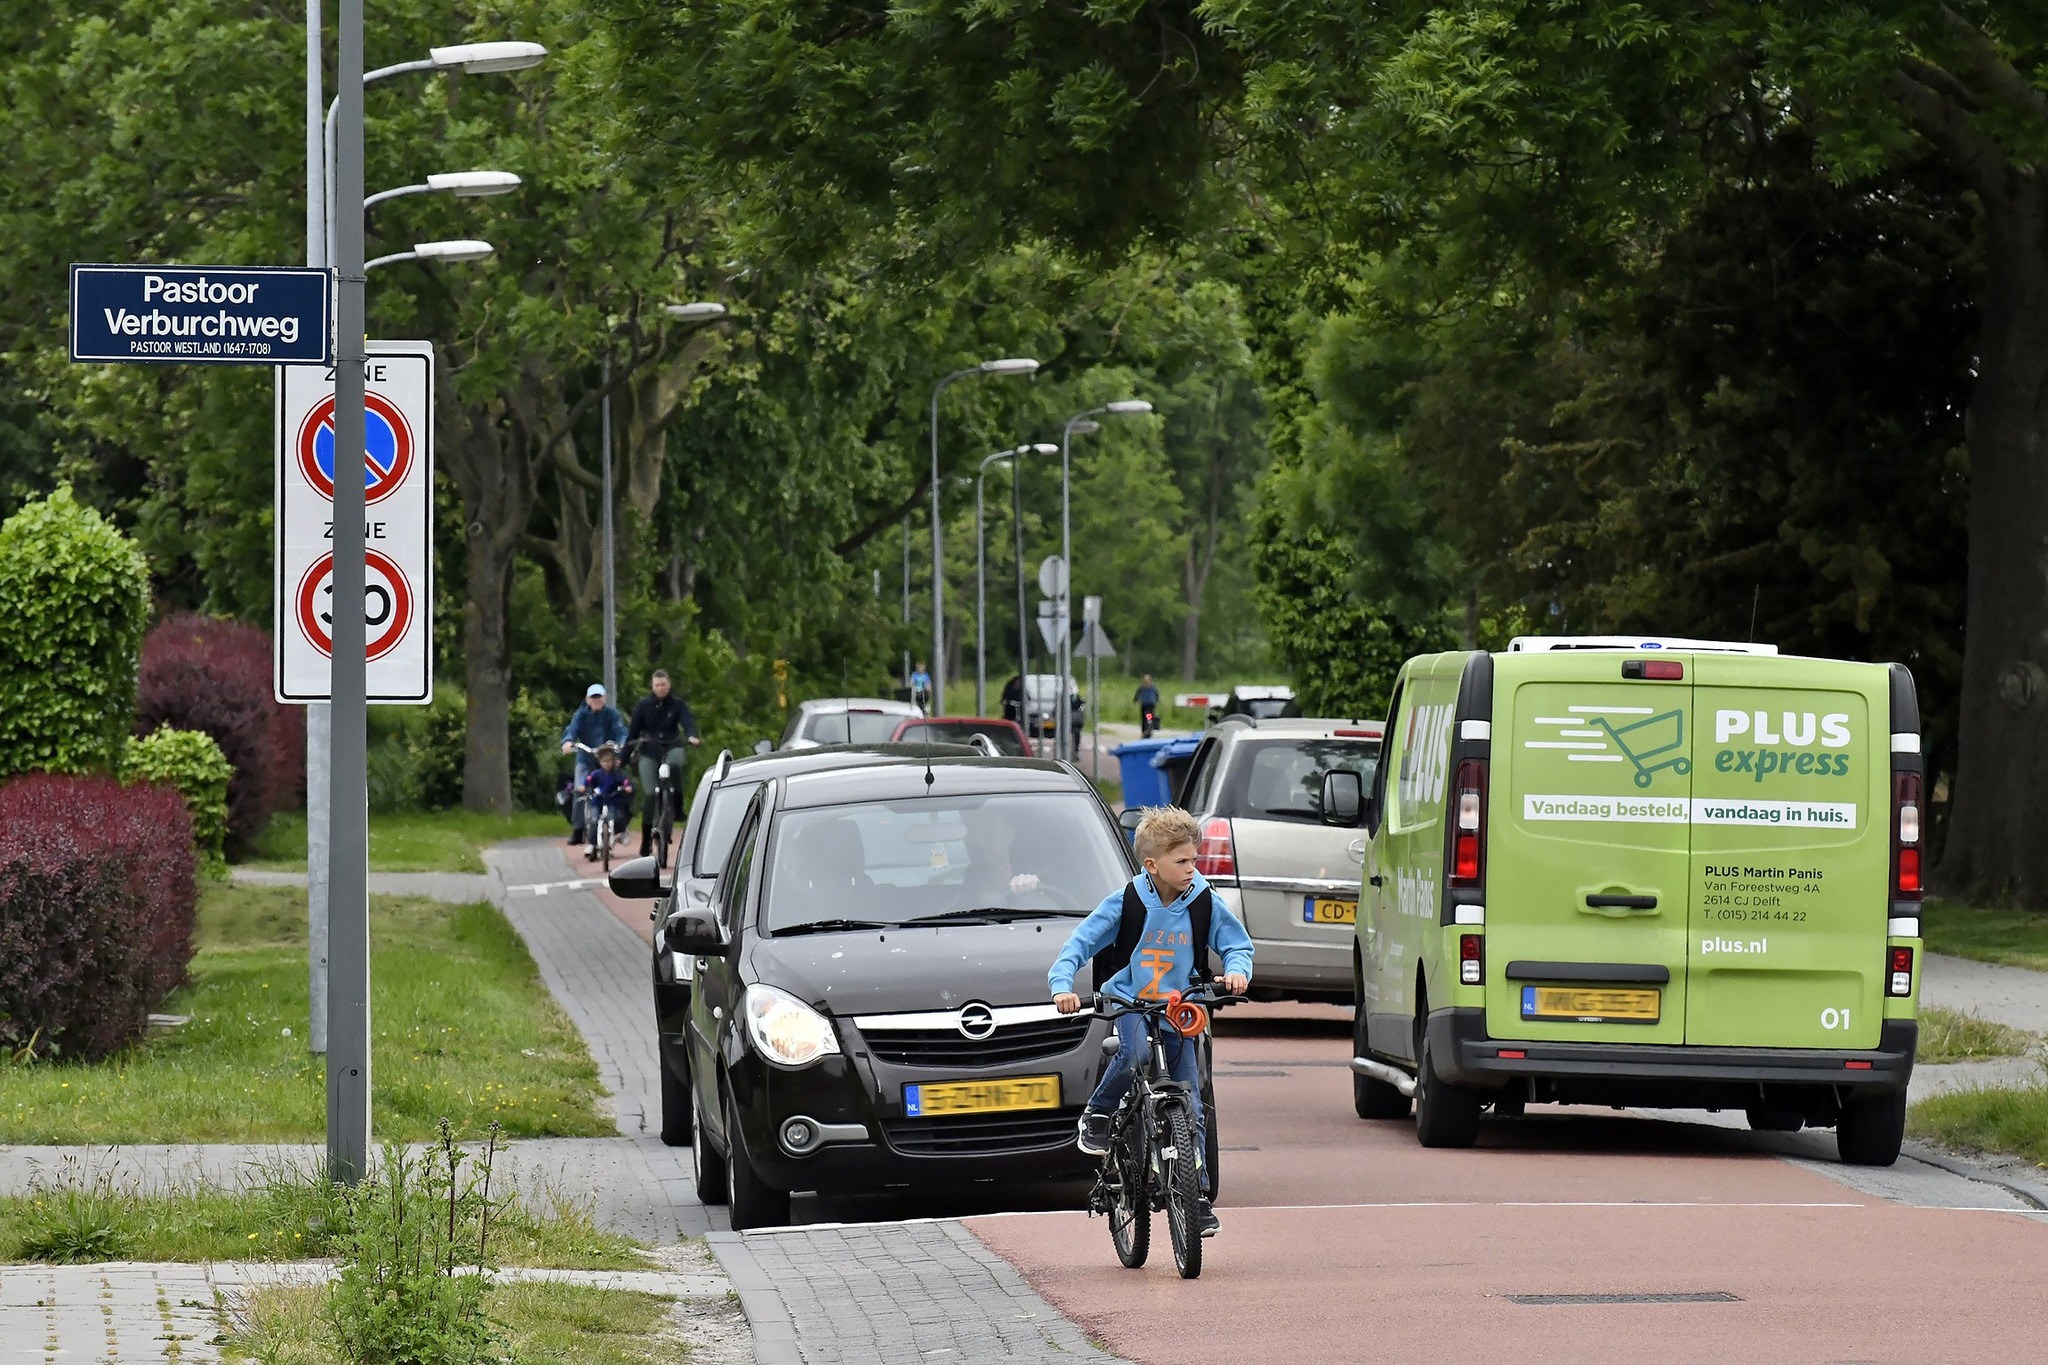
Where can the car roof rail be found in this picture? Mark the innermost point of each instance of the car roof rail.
(983, 745)
(719, 765)
(1548, 644)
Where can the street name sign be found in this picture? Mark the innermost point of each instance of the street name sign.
(205, 315)
(398, 492)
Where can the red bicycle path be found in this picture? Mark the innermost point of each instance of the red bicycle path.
(1344, 1240)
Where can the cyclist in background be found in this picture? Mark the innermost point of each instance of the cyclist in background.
(606, 787)
(1148, 706)
(595, 723)
(921, 687)
(662, 723)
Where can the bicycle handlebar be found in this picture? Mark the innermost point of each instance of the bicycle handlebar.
(1110, 1006)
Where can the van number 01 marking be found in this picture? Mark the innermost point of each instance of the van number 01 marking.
(1834, 1019)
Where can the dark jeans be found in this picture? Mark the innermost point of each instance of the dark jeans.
(1183, 1063)
(678, 760)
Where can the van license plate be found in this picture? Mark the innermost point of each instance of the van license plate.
(934, 1098)
(1318, 911)
(1584, 1005)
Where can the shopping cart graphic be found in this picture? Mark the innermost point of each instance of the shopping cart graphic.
(1646, 742)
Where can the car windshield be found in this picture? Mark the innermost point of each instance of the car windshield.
(721, 825)
(963, 858)
(1285, 777)
(851, 727)
(959, 732)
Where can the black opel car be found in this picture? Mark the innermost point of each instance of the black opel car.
(870, 1008)
(722, 797)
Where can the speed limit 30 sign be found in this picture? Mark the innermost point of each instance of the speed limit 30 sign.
(398, 490)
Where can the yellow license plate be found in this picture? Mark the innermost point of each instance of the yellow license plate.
(1317, 911)
(934, 1098)
(1590, 1005)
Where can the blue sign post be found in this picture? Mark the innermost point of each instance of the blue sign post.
(205, 315)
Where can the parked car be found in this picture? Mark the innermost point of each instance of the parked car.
(1006, 735)
(870, 1007)
(1041, 697)
(701, 850)
(845, 720)
(1256, 786)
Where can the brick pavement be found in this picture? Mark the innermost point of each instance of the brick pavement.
(892, 1292)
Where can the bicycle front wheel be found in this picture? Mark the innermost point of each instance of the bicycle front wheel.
(1130, 1210)
(1183, 1181)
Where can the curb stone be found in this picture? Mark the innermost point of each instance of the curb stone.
(774, 1329)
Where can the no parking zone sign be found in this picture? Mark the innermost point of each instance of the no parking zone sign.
(398, 490)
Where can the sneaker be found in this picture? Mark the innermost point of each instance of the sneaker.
(1094, 1138)
(1206, 1219)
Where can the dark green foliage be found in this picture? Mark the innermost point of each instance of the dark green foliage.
(74, 597)
(190, 762)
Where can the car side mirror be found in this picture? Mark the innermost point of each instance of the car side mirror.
(637, 879)
(1343, 799)
(762, 746)
(1128, 818)
(694, 933)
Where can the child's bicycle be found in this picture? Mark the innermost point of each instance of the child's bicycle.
(1154, 1161)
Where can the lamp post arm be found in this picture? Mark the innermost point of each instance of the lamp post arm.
(393, 259)
(399, 193)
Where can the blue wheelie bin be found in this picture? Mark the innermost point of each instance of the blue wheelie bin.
(1172, 762)
(1144, 784)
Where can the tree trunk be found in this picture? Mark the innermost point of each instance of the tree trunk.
(1191, 638)
(1994, 848)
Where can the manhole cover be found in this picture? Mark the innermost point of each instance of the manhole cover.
(1712, 1296)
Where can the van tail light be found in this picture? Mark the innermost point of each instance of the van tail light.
(1468, 832)
(1215, 855)
(1906, 830)
(1470, 969)
(1898, 963)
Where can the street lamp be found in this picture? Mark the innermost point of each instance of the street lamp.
(981, 572)
(1063, 714)
(452, 252)
(682, 312)
(1007, 366)
(461, 184)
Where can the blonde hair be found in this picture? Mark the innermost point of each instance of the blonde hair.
(1163, 828)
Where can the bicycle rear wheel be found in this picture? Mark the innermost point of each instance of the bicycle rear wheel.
(1130, 1211)
(605, 830)
(1183, 1193)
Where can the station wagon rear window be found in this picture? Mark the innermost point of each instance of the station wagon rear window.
(904, 861)
(852, 727)
(1282, 779)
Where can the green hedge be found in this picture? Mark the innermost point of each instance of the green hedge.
(192, 762)
(74, 600)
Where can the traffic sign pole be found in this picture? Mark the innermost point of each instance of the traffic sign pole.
(348, 922)
(319, 720)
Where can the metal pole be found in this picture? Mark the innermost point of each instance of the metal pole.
(1023, 621)
(1095, 717)
(319, 719)
(1066, 592)
(348, 1018)
(611, 651)
(938, 568)
(980, 598)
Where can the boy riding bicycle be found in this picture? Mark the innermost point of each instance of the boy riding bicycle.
(607, 788)
(1144, 940)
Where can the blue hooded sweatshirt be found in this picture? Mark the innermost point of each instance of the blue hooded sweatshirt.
(1165, 955)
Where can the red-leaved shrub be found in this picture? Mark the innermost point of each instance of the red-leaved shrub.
(200, 673)
(98, 900)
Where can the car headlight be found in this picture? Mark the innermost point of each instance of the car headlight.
(785, 1030)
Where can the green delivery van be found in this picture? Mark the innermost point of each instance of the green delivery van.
(1653, 873)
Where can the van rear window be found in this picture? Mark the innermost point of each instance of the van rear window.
(1282, 779)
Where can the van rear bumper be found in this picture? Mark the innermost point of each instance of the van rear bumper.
(1470, 1057)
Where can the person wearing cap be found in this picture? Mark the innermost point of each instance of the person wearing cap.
(596, 722)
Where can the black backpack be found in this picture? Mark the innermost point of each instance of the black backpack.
(1117, 955)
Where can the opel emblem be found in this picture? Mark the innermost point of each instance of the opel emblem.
(977, 1021)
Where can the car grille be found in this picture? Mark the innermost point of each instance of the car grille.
(981, 1134)
(947, 1047)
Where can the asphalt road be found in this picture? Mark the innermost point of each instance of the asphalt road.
(1346, 1241)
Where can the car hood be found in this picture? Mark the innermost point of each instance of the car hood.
(886, 971)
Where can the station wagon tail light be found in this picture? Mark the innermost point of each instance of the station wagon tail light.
(1898, 971)
(1906, 828)
(1215, 855)
(1468, 835)
(784, 1029)
(1469, 960)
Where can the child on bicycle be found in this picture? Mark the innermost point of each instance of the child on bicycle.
(607, 788)
(1143, 941)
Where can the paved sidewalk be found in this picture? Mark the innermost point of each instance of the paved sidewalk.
(461, 888)
(2012, 996)
(892, 1292)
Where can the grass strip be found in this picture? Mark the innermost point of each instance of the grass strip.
(464, 1028)
(566, 1324)
(285, 1216)
(409, 841)
(2012, 1121)
(2010, 938)
(1953, 1036)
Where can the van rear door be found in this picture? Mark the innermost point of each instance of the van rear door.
(1587, 868)
(1791, 847)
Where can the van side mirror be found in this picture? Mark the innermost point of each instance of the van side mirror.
(636, 880)
(1343, 799)
(696, 933)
